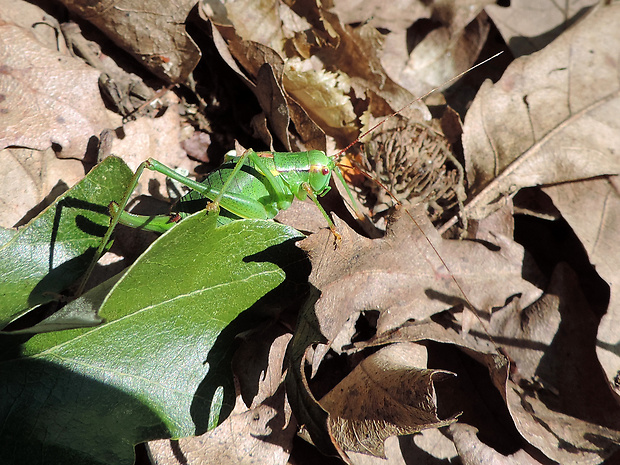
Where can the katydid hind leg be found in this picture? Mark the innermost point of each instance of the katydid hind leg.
(118, 213)
(113, 222)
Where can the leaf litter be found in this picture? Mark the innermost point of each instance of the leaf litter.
(550, 121)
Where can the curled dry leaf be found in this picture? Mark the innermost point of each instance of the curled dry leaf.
(402, 277)
(385, 395)
(551, 118)
(592, 208)
(555, 379)
(552, 121)
(46, 97)
(558, 382)
(424, 43)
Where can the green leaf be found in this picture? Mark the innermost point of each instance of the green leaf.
(53, 250)
(160, 364)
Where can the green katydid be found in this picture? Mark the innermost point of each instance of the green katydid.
(255, 185)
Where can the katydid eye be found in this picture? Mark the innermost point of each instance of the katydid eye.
(325, 171)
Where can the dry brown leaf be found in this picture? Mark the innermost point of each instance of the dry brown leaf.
(258, 363)
(246, 437)
(560, 437)
(402, 277)
(46, 97)
(558, 394)
(439, 57)
(529, 25)
(267, 67)
(29, 176)
(157, 138)
(449, 48)
(592, 209)
(551, 118)
(153, 32)
(375, 13)
(310, 41)
(322, 93)
(555, 372)
(385, 395)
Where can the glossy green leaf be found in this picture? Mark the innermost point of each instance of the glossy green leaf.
(160, 364)
(53, 250)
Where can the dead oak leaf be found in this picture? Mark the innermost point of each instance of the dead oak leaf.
(557, 395)
(592, 209)
(317, 49)
(403, 277)
(551, 118)
(385, 395)
(153, 32)
(46, 97)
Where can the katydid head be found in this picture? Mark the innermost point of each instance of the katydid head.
(320, 171)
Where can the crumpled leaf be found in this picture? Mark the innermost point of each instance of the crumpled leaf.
(331, 109)
(550, 119)
(557, 393)
(53, 250)
(529, 25)
(425, 43)
(402, 276)
(160, 364)
(385, 395)
(153, 32)
(315, 40)
(46, 97)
